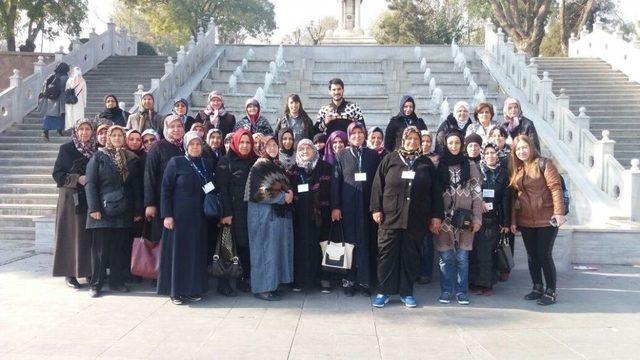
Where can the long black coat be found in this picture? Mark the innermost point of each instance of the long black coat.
(231, 178)
(450, 124)
(525, 127)
(72, 256)
(225, 124)
(311, 221)
(183, 260)
(397, 124)
(498, 181)
(406, 204)
(102, 178)
(155, 163)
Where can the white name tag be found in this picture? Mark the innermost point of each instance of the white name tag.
(303, 188)
(489, 205)
(361, 176)
(208, 187)
(488, 193)
(407, 174)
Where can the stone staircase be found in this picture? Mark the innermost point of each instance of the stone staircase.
(611, 100)
(27, 190)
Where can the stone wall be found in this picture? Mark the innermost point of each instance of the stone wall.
(10, 60)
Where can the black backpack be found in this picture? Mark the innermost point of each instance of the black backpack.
(53, 88)
(566, 196)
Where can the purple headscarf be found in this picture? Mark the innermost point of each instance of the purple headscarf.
(329, 155)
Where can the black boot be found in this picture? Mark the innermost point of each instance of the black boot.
(45, 135)
(72, 282)
(536, 293)
(60, 132)
(548, 298)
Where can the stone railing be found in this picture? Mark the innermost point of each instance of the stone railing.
(620, 54)
(604, 171)
(22, 95)
(188, 62)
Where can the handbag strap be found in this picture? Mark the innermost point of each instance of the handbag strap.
(341, 231)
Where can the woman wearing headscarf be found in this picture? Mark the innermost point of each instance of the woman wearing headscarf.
(146, 117)
(457, 121)
(353, 174)
(134, 144)
(320, 141)
(296, 119)
(187, 179)
(112, 111)
(181, 109)
(287, 154)
(102, 126)
(149, 137)
(198, 128)
(54, 108)
(406, 199)
(232, 174)
(311, 181)
(461, 185)
(213, 147)
(517, 124)
(270, 225)
(216, 116)
(473, 147)
(253, 121)
(155, 164)
(72, 255)
(483, 116)
(75, 112)
(375, 142)
(406, 117)
(114, 200)
(425, 274)
(336, 142)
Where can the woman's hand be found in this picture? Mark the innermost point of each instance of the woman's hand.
(82, 180)
(226, 220)
(336, 215)
(137, 218)
(378, 217)
(560, 219)
(514, 229)
(96, 215)
(168, 223)
(476, 228)
(504, 229)
(435, 225)
(150, 212)
(288, 197)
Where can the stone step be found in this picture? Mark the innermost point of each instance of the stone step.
(29, 199)
(349, 77)
(29, 188)
(18, 138)
(26, 179)
(27, 161)
(14, 233)
(344, 66)
(27, 209)
(22, 221)
(568, 83)
(26, 170)
(28, 146)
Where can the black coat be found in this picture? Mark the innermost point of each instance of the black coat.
(208, 152)
(397, 124)
(70, 165)
(183, 262)
(156, 161)
(498, 181)
(406, 204)
(525, 127)
(102, 178)
(450, 124)
(232, 174)
(225, 123)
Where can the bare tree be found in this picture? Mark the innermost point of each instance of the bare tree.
(523, 21)
(317, 31)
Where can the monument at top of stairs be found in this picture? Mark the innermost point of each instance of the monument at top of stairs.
(349, 30)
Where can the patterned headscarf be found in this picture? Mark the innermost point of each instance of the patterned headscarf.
(307, 165)
(263, 147)
(380, 149)
(406, 153)
(117, 155)
(188, 137)
(88, 148)
(209, 110)
(165, 131)
(511, 122)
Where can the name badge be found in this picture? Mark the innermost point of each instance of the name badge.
(488, 193)
(303, 188)
(361, 176)
(407, 174)
(489, 205)
(208, 187)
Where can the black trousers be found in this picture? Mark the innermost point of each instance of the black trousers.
(398, 260)
(107, 251)
(481, 265)
(539, 244)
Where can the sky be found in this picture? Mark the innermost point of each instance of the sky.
(291, 14)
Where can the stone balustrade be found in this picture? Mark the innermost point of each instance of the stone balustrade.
(605, 172)
(611, 47)
(22, 95)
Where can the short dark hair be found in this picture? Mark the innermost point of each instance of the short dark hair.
(336, 81)
(501, 130)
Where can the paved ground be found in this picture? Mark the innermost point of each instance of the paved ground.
(596, 318)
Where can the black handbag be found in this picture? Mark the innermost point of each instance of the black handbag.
(462, 219)
(212, 205)
(70, 96)
(226, 263)
(114, 203)
(503, 255)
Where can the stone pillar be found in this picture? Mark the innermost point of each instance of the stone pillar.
(630, 193)
(356, 23)
(168, 66)
(138, 94)
(39, 65)
(341, 17)
(181, 54)
(15, 82)
(111, 29)
(601, 151)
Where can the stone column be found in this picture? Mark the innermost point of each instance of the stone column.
(356, 23)
(341, 18)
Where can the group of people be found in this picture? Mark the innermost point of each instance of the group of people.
(395, 195)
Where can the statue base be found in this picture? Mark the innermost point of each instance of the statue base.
(348, 37)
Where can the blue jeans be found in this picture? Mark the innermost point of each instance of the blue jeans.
(426, 257)
(454, 271)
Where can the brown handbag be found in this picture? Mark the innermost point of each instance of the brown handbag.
(145, 256)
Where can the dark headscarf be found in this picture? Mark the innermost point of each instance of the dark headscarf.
(280, 136)
(356, 125)
(411, 118)
(448, 159)
(186, 114)
(329, 155)
(62, 69)
(235, 143)
(473, 138)
(321, 137)
(140, 151)
(252, 118)
(113, 113)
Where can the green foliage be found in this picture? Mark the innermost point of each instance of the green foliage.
(146, 49)
(552, 43)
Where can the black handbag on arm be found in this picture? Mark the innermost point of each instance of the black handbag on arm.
(226, 263)
(503, 255)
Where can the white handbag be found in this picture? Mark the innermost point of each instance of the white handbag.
(337, 256)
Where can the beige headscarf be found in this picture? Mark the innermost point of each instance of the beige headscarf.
(117, 155)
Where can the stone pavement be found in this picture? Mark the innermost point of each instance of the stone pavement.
(596, 318)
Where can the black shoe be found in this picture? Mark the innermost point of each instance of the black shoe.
(549, 297)
(192, 298)
(45, 136)
(72, 282)
(243, 285)
(177, 300)
(349, 291)
(535, 294)
(227, 291)
(119, 288)
(423, 280)
(94, 292)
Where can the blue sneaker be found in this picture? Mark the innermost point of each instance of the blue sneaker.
(463, 298)
(445, 298)
(380, 300)
(409, 301)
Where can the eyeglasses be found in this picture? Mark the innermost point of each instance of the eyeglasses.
(149, 141)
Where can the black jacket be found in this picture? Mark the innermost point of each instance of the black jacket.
(406, 204)
(70, 165)
(525, 127)
(225, 123)
(102, 178)
(397, 124)
(450, 124)
(498, 181)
